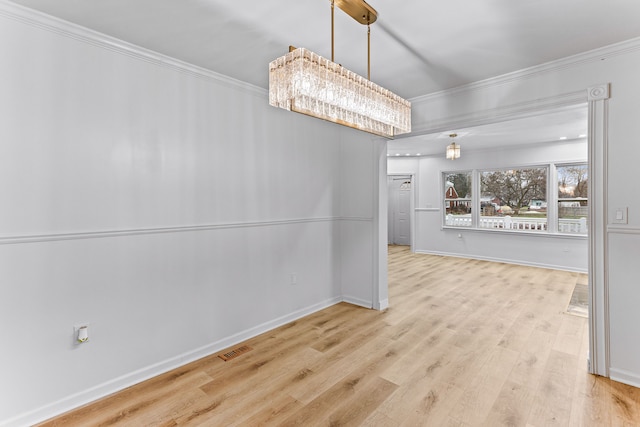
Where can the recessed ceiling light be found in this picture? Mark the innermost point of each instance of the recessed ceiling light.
(582, 135)
(407, 154)
(562, 138)
(418, 154)
(397, 154)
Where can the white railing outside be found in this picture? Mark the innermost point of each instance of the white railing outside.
(492, 222)
(535, 224)
(578, 226)
(458, 220)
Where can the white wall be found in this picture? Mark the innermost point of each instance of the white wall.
(165, 205)
(358, 234)
(563, 83)
(538, 249)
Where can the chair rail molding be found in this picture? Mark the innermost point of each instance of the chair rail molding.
(96, 234)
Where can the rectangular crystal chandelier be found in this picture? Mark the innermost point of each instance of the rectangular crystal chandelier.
(307, 83)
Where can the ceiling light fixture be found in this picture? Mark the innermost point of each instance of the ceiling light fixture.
(307, 83)
(453, 149)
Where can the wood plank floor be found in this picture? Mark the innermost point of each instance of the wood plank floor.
(464, 343)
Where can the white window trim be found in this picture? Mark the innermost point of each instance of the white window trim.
(551, 197)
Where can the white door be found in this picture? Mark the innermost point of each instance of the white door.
(399, 210)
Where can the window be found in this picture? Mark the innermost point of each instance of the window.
(519, 199)
(514, 199)
(457, 199)
(573, 205)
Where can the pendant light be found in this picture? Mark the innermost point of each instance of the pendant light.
(453, 149)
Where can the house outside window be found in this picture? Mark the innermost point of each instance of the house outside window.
(519, 199)
(457, 199)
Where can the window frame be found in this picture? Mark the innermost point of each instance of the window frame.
(558, 199)
(444, 199)
(544, 167)
(551, 191)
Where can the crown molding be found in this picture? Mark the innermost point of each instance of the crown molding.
(491, 115)
(82, 34)
(599, 54)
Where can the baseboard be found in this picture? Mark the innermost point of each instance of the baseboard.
(102, 390)
(382, 305)
(505, 260)
(624, 377)
(357, 301)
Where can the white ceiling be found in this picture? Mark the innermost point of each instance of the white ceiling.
(418, 46)
(551, 127)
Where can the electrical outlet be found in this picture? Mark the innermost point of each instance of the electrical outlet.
(81, 332)
(294, 279)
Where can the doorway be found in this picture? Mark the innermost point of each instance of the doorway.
(399, 214)
(597, 104)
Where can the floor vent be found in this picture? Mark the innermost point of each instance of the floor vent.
(235, 353)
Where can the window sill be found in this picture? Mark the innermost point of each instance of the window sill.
(518, 232)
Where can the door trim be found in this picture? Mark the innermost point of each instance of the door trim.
(599, 325)
(597, 100)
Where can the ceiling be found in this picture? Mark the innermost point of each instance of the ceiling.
(417, 46)
(552, 127)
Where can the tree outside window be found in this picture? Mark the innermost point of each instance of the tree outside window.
(514, 199)
(573, 201)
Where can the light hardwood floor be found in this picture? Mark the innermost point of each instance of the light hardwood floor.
(464, 343)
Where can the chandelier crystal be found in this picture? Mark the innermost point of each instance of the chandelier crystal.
(307, 83)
